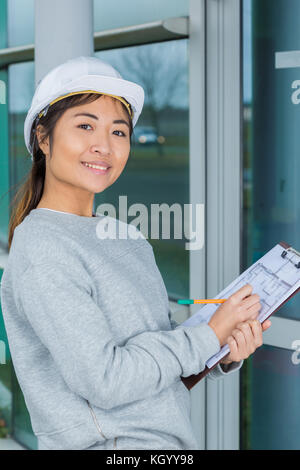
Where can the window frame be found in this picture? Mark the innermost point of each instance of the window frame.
(224, 195)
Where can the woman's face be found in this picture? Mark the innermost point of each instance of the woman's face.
(97, 138)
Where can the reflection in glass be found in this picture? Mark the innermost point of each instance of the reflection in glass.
(270, 411)
(271, 127)
(5, 382)
(20, 22)
(21, 89)
(133, 12)
(271, 407)
(157, 170)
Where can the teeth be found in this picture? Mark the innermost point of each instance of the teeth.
(98, 167)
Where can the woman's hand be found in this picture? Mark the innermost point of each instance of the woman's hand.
(245, 339)
(238, 308)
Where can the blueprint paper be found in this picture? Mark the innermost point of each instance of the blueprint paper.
(272, 277)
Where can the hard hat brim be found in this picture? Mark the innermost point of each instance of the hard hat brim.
(131, 91)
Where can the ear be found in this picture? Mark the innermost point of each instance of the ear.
(43, 143)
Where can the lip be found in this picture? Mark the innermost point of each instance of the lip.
(94, 170)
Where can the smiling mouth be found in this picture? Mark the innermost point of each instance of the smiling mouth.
(96, 167)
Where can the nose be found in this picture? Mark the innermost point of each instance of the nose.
(101, 143)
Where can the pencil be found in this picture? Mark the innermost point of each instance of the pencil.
(201, 301)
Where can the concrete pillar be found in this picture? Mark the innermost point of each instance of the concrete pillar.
(63, 30)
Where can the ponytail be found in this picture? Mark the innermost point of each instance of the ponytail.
(27, 197)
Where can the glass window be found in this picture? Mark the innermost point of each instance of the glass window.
(157, 171)
(5, 381)
(20, 90)
(271, 129)
(5, 358)
(270, 380)
(132, 12)
(20, 22)
(3, 25)
(270, 402)
(4, 163)
(116, 14)
(4, 159)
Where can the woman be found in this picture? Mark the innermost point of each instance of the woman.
(96, 353)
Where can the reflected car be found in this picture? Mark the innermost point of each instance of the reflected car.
(146, 135)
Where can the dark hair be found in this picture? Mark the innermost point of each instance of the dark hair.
(30, 193)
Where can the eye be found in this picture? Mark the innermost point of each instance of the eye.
(123, 134)
(83, 125)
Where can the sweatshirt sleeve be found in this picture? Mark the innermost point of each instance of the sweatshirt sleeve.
(173, 322)
(58, 304)
(220, 370)
(223, 370)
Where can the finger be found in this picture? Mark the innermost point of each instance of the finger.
(266, 324)
(257, 332)
(252, 312)
(233, 348)
(226, 359)
(250, 345)
(240, 339)
(251, 300)
(242, 292)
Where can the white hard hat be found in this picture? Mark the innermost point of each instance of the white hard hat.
(82, 75)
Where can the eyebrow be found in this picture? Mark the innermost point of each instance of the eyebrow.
(116, 121)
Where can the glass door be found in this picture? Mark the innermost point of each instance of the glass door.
(270, 409)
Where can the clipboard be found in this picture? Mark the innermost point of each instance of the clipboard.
(192, 380)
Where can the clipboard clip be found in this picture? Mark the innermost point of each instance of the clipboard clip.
(284, 253)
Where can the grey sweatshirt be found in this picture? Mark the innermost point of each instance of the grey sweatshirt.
(95, 350)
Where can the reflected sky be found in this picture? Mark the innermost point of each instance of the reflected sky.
(159, 68)
(120, 13)
(107, 15)
(20, 22)
(20, 86)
